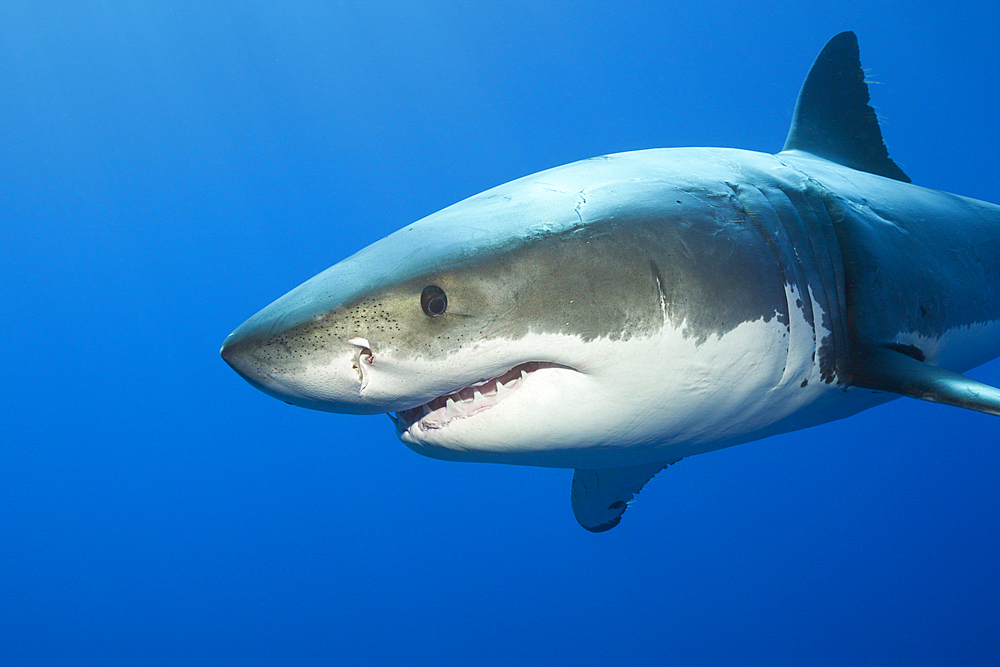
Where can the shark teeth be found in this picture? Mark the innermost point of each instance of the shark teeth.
(466, 401)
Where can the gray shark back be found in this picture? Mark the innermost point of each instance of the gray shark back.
(913, 299)
(922, 279)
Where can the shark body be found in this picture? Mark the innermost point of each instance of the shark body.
(617, 314)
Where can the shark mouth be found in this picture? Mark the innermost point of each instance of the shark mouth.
(467, 401)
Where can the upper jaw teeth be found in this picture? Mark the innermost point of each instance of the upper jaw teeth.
(466, 401)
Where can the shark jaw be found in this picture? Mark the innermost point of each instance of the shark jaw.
(466, 401)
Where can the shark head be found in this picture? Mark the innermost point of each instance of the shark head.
(534, 323)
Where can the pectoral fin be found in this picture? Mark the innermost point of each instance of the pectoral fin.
(888, 369)
(600, 497)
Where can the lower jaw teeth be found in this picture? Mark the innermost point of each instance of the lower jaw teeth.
(465, 402)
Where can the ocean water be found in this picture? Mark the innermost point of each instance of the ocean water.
(166, 169)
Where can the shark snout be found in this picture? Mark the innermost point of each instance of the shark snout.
(233, 352)
(242, 354)
(304, 370)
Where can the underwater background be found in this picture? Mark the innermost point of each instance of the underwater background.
(169, 168)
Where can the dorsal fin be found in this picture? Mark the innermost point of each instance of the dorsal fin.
(833, 119)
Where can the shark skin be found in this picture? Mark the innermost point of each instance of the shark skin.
(617, 314)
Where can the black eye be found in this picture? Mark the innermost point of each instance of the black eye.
(433, 301)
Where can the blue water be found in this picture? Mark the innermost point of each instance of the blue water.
(166, 169)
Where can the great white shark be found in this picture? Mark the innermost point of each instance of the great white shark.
(617, 314)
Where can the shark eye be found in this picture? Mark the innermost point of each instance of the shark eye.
(433, 301)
